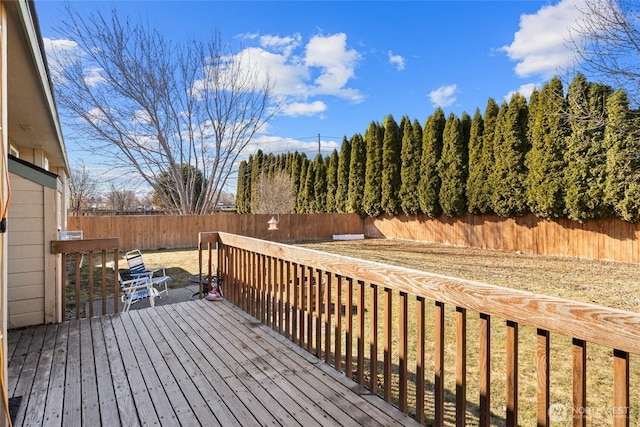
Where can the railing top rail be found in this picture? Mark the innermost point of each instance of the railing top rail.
(606, 326)
(85, 245)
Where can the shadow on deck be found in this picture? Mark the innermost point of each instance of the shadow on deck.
(191, 363)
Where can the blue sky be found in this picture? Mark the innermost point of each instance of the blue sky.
(341, 65)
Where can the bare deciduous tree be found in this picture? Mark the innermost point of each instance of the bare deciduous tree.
(273, 194)
(121, 199)
(82, 187)
(150, 106)
(607, 43)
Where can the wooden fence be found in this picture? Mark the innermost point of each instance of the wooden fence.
(611, 239)
(355, 315)
(168, 231)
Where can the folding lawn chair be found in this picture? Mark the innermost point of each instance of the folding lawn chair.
(156, 275)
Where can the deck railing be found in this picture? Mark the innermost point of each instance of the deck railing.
(86, 288)
(369, 320)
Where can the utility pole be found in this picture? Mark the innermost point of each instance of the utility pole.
(318, 143)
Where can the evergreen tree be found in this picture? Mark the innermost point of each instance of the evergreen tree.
(242, 205)
(296, 170)
(586, 155)
(308, 191)
(372, 199)
(391, 150)
(344, 162)
(452, 168)
(256, 170)
(546, 159)
(482, 202)
(320, 185)
(622, 189)
(332, 181)
(356, 174)
(302, 200)
(429, 185)
(410, 171)
(477, 171)
(533, 113)
(510, 148)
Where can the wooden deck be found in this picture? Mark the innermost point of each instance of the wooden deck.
(192, 363)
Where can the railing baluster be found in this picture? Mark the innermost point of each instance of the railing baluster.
(281, 286)
(294, 315)
(388, 343)
(318, 314)
(90, 283)
(543, 377)
(373, 338)
(461, 366)
(116, 287)
(310, 294)
(301, 304)
(485, 370)
(403, 351)
(77, 277)
(338, 325)
(286, 282)
(420, 350)
(620, 388)
(103, 289)
(579, 413)
(349, 332)
(268, 292)
(327, 318)
(361, 329)
(438, 383)
(512, 374)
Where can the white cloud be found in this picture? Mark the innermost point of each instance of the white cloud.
(304, 109)
(525, 90)
(443, 96)
(92, 76)
(541, 45)
(323, 66)
(337, 65)
(277, 144)
(397, 60)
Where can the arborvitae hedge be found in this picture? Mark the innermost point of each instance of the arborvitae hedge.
(356, 174)
(320, 185)
(391, 149)
(452, 168)
(410, 170)
(429, 184)
(622, 190)
(586, 154)
(372, 199)
(332, 181)
(580, 160)
(546, 159)
(344, 162)
(510, 147)
(477, 173)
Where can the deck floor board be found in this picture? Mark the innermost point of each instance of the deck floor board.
(185, 364)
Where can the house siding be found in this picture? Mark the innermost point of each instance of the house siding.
(26, 253)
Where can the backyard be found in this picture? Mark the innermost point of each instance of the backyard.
(612, 284)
